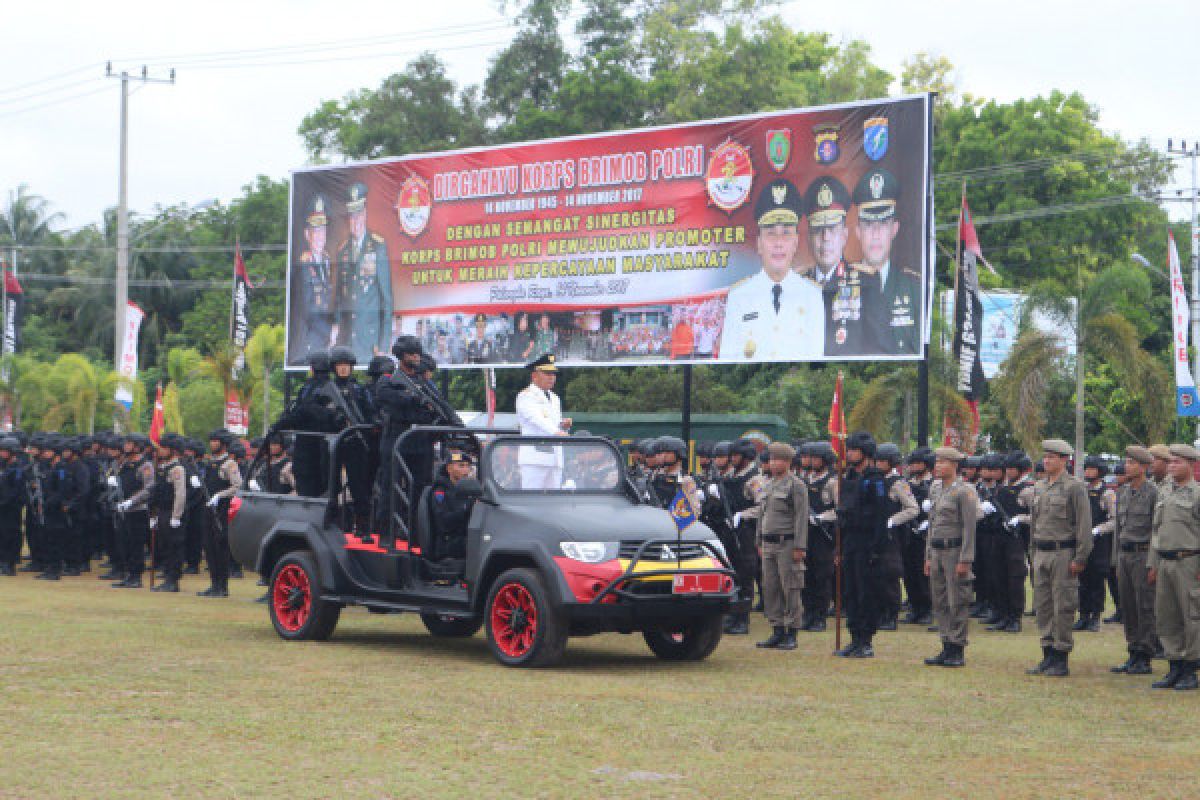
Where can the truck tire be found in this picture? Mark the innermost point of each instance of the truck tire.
(692, 641)
(296, 608)
(451, 627)
(524, 628)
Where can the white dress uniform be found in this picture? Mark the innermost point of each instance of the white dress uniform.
(755, 331)
(539, 413)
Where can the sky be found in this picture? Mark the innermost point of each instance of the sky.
(233, 115)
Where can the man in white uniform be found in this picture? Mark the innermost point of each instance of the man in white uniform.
(539, 413)
(775, 314)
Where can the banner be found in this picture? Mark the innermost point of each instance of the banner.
(237, 417)
(157, 420)
(968, 317)
(129, 353)
(13, 313)
(1187, 404)
(239, 317)
(790, 236)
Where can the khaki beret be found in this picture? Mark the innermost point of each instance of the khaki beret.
(1058, 447)
(1184, 451)
(781, 450)
(1139, 454)
(1160, 451)
(948, 454)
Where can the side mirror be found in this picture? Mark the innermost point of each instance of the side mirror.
(469, 487)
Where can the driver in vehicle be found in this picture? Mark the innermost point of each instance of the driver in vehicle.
(451, 508)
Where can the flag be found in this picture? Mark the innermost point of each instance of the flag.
(681, 510)
(837, 421)
(157, 422)
(1187, 403)
(968, 317)
(489, 383)
(13, 308)
(237, 418)
(239, 317)
(129, 353)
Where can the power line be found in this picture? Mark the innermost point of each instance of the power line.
(55, 102)
(50, 78)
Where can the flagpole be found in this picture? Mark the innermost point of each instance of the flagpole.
(840, 454)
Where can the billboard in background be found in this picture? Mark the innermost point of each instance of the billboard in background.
(1001, 319)
(790, 236)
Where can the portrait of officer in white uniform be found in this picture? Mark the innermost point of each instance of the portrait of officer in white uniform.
(539, 413)
(775, 314)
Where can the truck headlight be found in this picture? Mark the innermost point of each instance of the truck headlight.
(589, 552)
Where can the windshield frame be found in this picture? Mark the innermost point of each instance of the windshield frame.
(486, 474)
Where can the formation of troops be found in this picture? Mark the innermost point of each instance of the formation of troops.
(948, 537)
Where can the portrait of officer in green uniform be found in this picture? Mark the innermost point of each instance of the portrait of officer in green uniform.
(364, 283)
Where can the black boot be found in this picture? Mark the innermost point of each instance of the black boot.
(1058, 667)
(999, 624)
(888, 622)
(1187, 681)
(956, 656)
(865, 650)
(1123, 669)
(111, 575)
(849, 650)
(1092, 624)
(49, 575)
(1013, 626)
(777, 636)
(131, 582)
(739, 624)
(1114, 619)
(910, 618)
(1081, 623)
(925, 618)
(266, 597)
(1140, 665)
(979, 610)
(818, 624)
(997, 617)
(789, 640)
(1171, 678)
(166, 586)
(940, 658)
(1047, 657)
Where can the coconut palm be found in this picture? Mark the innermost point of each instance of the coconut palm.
(26, 219)
(264, 353)
(181, 364)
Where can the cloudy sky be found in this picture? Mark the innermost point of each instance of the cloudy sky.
(248, 71)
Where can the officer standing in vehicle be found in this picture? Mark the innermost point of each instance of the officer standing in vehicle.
(949, 553)
(352, 406)
(863, 511)
(1136, 501)
(401, 406)
(783, 532)
(135, 480)
(310, 413)
(817, 594)
(743, 463)
(167, 509)
(1174, 570)
(1061, 529)
(222, 479)
(12, 500)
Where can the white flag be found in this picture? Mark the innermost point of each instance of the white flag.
(1187, 404)
(129, 353)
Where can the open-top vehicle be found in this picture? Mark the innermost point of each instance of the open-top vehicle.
(540, 566)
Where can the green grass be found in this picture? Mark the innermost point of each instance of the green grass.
(107, 693)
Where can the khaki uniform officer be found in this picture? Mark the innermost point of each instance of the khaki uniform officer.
(783, 538)
(1136, 501)
(1174, 564)
(1060, 525)
(949, 554)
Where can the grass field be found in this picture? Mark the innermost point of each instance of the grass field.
(107, 693)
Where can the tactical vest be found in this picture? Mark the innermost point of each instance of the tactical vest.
(1095, 498)
(212, 476)
(275, 475)
(162, 496)
(816, 488)
(864, 507)
(128, 478)
(1006, 498)
(735, 490)
(195, 495)
(665, 486)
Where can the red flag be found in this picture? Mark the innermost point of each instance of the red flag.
(236, 417)
(156, 422)
(967, 235)
(837, 421)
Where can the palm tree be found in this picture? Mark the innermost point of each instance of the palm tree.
(181, 364)
(26, 220)
(264, 352)
(1093, 316)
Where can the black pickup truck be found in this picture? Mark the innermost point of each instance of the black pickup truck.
(541, 565)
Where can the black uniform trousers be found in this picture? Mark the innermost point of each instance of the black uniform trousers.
(10, 535)
(985, 589)
(747, 562)
(35, 538)
(817, 593)
(170, 541)
(194, 521)
(1008, 570)
(1092, 579)
(864, 599)
(134, 531)
(216, 545)
(916, 582)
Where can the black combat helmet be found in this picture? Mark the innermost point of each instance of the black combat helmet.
(888, 452)
(406, 344)
(672, 444)
(342, 355)
(862, 441)
(1097, 463)
(744, 448)
(318, 362)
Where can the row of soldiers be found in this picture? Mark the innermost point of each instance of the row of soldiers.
(955, 537)
(75, 499)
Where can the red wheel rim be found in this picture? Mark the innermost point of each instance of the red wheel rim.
(514, 620)
(291, 597)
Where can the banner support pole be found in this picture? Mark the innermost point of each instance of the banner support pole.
(686, 415)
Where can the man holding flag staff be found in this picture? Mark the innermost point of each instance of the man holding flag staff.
(783, 533)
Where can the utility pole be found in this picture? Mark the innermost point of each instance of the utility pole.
(122, 276)
(1192, 153)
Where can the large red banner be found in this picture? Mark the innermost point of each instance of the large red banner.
(789, 236)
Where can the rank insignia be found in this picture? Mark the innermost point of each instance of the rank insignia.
(827, 148)
(779, 148)
(875, 137)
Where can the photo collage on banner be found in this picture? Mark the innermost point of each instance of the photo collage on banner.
(789, 236)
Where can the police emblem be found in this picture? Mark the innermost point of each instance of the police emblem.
(779, 148)
(729, 176)
(875, 137)
(827, 148)
(414, 206)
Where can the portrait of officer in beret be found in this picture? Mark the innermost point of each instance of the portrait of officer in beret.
(364, 283)
(314, 280)
(775, 314)
(899, 286)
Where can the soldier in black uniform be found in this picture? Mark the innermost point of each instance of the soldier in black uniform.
(168, 507)
(310, 412)
(352, 405)
(401, 406)
(672, 452)
(222, 478)
(902, 509)
(135, 482)
(863, 513)
(1103, 501)
(912, 540)
(451, 508)
(77, 479)
(275, 473)
(379, 368)
(194, 517)
(988, 533)
(12, 500)
(817, 594)
(1012, 499)
(110, 531)
(743, 462)
(35, 505)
